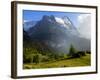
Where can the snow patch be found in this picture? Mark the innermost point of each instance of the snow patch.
(59, 20)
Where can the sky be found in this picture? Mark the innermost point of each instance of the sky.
(30, 15)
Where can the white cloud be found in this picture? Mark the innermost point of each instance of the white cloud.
(84, 25)
(81, 17)
(26, 21)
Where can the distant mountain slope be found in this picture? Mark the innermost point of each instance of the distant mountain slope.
(28, 24)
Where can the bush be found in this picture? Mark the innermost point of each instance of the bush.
(76, 55)
(82, 53)
(45, 59)
(37, 58)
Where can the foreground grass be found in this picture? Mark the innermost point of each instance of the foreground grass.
(74, 62)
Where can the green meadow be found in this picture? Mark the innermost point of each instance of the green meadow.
(68, 62)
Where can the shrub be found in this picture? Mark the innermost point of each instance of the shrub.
(82, 53)
(37, 58)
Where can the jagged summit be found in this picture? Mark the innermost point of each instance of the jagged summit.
(62, 21)
(48, 18)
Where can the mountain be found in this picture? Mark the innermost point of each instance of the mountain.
(25, 36)
(28, 24)
(57, 34)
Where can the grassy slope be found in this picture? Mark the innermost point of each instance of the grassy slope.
(83, 61)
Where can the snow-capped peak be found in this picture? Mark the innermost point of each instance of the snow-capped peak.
(59, 20)
(67, 20)
(64, 22)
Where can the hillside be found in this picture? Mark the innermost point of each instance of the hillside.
(75, 62)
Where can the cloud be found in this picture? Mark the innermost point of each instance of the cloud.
(81, 17)
(84, 25)
(26, 21)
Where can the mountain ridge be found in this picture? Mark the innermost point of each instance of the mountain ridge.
(57, 36)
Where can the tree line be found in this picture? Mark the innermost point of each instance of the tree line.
(38, 55)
